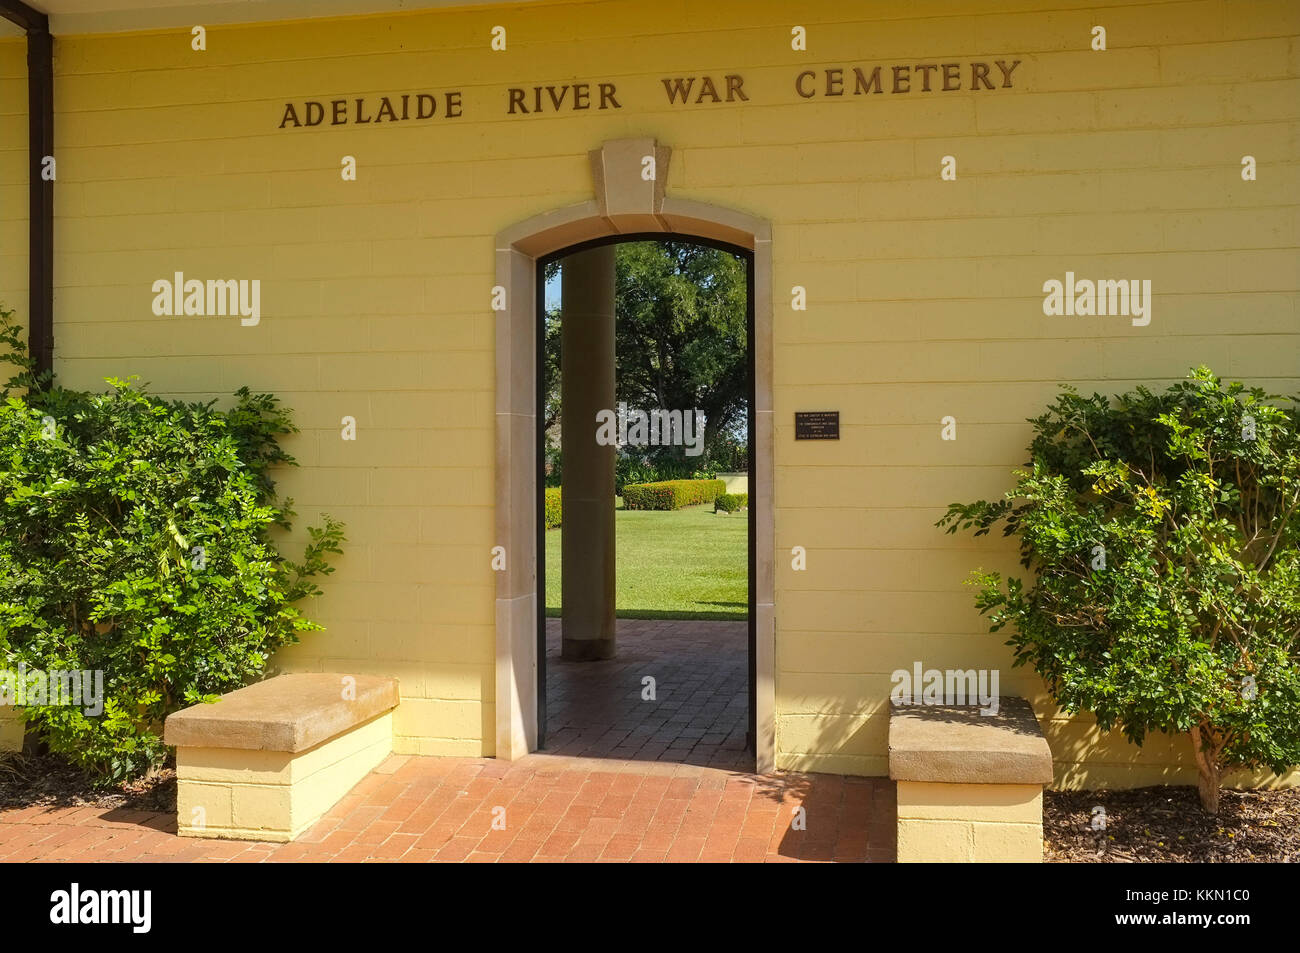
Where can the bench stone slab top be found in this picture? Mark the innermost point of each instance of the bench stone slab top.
(287, 713)
(955, 744)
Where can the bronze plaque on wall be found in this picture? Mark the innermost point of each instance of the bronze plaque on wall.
(817, 425)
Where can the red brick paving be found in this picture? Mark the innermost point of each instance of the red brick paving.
(677, 790)
(700, 711)
(417, 810)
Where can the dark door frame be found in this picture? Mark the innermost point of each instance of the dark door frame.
(745, 254)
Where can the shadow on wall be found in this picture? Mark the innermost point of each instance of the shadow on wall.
(1085, 758)
(856, 733)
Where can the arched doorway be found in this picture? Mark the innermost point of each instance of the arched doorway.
(627, 204)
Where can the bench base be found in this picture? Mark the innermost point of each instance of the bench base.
(963, 823)
(242, 794)
(12, 727)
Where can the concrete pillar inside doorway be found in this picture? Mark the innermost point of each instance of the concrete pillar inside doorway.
(587, 468)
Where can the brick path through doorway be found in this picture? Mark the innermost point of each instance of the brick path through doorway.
(700, 711)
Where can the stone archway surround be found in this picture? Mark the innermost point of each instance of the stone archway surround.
(626, 203)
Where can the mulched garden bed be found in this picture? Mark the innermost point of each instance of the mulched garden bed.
(34, 780)
(1162, 824)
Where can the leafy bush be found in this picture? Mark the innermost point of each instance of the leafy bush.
(1164, 531)
(552, 506)
(136, 540)
(552, 468)
(671, 494)
(729, 456)
(730, 502)
(633, 468)
(629, 468)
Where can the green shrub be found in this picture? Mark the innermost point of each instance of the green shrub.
(730, 502)
(634, 468)
(553, 469)
(729, 456)
(136, 541)
(552, 501)
(671, 494)
(1164, 532)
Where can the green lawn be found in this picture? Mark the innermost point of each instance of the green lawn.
(679, 564)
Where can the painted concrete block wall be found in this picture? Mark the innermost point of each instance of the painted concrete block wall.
(13, 233)
(245, 794)
(963, 823)
(924, 295)
(13, 172)
(12, 728)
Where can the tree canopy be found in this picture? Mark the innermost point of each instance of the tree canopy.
(681, 336)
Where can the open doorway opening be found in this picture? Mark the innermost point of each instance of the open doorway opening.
(645, 549)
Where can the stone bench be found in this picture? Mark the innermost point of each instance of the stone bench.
(267, 761)
(970, 786)
(12, 727)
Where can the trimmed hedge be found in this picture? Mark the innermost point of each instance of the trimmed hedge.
(671, 494)
(730, 502)
(552, 507)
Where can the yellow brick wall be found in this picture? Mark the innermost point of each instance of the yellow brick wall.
(13, 172)
(924, 295)
(14, 207)
(273, 795)
(961, 823)
(12, 728)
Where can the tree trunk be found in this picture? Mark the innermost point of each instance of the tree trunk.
(1208, 773)
(1208, 786)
